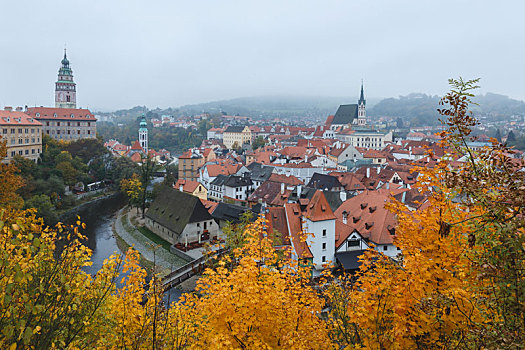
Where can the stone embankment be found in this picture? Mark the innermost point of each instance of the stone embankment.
(164, 260)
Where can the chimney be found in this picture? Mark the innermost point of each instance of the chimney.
(282, 187)
(181, 188)
(7, 108)
(342, 195)
(368, 172)
(299, 190)
(19, 109)
(345, 217)
(403, 198)
(378, 169)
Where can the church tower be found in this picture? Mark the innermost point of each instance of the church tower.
(65, 88)
(143, 134)
(361, 110)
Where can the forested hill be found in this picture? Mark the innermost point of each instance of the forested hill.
(310, 107)
(416, 108)
(421, 109)
(274, 106)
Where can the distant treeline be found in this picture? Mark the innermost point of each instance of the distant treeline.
(416, 108)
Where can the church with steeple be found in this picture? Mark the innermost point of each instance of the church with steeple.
(349, 125)
(349, 115)
(65, 87)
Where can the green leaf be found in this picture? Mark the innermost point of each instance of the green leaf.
(27, 335)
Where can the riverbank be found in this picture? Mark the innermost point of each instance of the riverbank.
(86, 202)
(155, 254)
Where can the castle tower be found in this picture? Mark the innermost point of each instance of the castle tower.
(65, 88)
(143, 134)
(361, 110)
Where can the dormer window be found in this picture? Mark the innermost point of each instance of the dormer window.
(54, 115)
(72, 115)
(37, 115)
(363, 205)
(369, 225)
(391, 230)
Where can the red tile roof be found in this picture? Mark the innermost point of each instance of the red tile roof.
(372, 153)
(224, 169)
(61, 113)
(351, 182)
(277, 225)
(136, 146)
(209, 205)
(315, 143)
(136, 157)
(17, 118)
(289, 180)
(318, 208)
(367, 214)
(342, 231)
(293, 214)
(187, 185)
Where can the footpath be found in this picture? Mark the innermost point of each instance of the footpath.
(165, 261)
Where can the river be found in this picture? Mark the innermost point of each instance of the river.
(99, 217)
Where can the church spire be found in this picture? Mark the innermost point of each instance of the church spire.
(362, 97)
(361, 109)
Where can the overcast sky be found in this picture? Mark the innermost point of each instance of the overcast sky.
(169, 53)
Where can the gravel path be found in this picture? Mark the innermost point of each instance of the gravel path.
(163, 258)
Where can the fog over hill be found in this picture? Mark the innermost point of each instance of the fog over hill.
(417, 108)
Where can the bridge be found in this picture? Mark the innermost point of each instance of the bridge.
(192, 268)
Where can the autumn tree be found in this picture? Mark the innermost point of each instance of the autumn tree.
(147, 169)
(132, 187)
(491, 188)
(258, 142)
(459, 283)
(47, 300)
(10, 181)
(260, 303)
